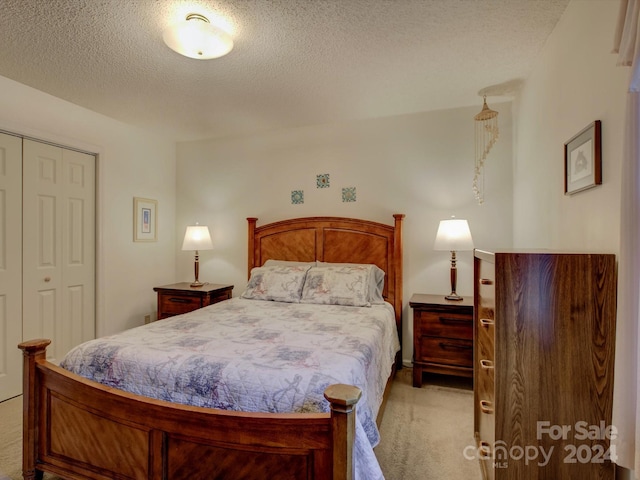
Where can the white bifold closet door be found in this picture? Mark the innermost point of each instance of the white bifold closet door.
(58, 258)
(10, 265)
(47, 251)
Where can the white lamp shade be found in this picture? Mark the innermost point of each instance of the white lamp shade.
(197, 38)
(453, 235)
(197, 237)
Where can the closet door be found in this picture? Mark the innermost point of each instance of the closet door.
(58, 246)
(10, 265)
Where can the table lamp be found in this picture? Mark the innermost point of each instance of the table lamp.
(453, 235)
(197, 238)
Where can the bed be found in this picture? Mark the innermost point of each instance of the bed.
(78, 428)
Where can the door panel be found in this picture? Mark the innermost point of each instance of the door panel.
(10, 265)
(79, 247)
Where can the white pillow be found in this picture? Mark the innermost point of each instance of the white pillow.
(276, 283)
(376, 279)
(337, 285)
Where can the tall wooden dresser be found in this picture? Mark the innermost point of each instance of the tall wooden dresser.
(544, 336)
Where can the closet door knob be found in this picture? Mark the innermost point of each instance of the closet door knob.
(47, 279)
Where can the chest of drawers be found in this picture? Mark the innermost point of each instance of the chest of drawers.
(180, 298)
(544, 333)
(442, 336)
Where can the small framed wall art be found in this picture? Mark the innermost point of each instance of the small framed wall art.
(583, 160)
(145, 220)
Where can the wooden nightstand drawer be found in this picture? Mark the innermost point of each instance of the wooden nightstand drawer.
(181, 298)
(171, 304)
(445, 324)
(447, 351)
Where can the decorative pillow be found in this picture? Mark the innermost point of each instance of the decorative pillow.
(376, 279)
(276, 283)
(337, 285)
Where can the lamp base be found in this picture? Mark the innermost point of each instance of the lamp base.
(197, 284)
(453, 296)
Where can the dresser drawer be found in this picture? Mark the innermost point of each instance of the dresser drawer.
(449, 351)
(487, 281)
(486, 297)
(485, 379)
(444, 324)
(486, 442)
(486, 456)
(485, 385)
(485, 341)
(484, 396)
(176, 304)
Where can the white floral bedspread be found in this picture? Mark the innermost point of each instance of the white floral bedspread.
(255, 356)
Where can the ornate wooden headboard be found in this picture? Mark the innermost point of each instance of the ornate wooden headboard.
(334, 239)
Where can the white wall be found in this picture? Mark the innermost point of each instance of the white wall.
(420, 165)
(575, 82)
(131, 162)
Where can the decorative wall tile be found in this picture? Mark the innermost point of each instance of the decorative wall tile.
(297, 197)
(349, 194)
(322, 180)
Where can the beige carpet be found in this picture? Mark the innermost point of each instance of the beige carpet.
(424, 432)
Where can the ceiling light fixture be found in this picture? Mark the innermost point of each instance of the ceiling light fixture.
(196, 38)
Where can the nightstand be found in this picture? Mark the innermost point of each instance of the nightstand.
(442, 336)
(182, 297)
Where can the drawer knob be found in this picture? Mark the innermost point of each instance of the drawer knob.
(486, 406)
(486, 281)
(487, 364)
(486, 322)
(484, 450)
(179, 300)
(454, 321)
(445, 345)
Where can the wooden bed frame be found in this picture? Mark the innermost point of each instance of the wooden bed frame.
(80, 429)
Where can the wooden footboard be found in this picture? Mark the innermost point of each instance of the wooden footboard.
(79, 429)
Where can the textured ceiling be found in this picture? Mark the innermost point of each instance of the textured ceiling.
(294, 63)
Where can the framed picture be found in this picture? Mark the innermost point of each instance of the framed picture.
(583, 160)
(145, 220)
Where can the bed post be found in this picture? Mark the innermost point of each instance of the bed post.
(252, 236)
(32, 352)
(343, 399)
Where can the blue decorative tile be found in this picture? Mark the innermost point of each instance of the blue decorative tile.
(297, 197)
(349, 194)
(322, 181)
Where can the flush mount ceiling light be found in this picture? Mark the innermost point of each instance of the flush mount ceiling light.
(196, 38)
